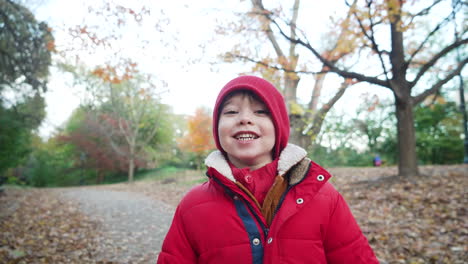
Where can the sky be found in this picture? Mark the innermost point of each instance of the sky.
(187, 88)
(192, 24)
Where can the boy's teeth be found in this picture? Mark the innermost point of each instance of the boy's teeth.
(245, 137)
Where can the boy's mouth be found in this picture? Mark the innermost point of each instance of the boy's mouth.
(245, 136)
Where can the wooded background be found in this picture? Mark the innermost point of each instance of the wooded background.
(414, 49)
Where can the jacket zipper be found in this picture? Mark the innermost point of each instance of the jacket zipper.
(252, 211)
(283, 196)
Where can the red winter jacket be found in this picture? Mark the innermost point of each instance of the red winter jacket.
(216, 222)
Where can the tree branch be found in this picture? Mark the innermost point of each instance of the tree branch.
(435, 88)
(330, 65)
(420, 47)
(316, 124)
(273, 66)
(375, 46)
(425, 11)
(434, 59)
(258, 4)
(292, 47)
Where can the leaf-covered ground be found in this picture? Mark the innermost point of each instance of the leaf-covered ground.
(417, 220)
(38, 227)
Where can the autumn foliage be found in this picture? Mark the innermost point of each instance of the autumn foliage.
(198, 139)
(96, 150)
(116, 74)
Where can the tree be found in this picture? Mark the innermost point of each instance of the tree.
(25, 48)
(87, 132)
(197, 139)
(285, 65)
(399, 36)
(51, 163)
(17, 124)
(131, 106)
(371, 131)
(162, 148)
(120, 90)
(373, 121)
(82, 131)
(25, 55)
(439, 132)
(340, 143)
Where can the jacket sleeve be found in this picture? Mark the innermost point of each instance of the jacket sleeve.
(176, 248)
(344, 241)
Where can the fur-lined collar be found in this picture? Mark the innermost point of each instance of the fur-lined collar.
(290, 156)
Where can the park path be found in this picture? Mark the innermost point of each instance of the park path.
(131, 226)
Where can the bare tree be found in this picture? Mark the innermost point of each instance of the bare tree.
(284, 69)
(403, 68)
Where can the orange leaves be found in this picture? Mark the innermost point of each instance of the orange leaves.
(107, 74)
(38, 226)
(51, 46)
(124, 71)
(82, 30)
(107, 28)
(418, 220)
(99, 72)
(198, 138)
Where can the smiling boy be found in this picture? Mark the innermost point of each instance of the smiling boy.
(265, 201)
(246, 131)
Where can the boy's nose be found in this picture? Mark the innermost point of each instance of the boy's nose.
(245, 118)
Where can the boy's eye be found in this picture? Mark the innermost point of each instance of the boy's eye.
(230, 112)
(262, 112)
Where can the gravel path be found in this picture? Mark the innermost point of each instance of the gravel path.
(132, 226)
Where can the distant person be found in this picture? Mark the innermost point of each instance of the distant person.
(265, 201)
(377, 161)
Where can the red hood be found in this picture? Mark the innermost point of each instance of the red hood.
(272, 99)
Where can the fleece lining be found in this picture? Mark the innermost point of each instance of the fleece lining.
(290, 156)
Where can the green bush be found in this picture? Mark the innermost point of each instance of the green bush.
(341, 157)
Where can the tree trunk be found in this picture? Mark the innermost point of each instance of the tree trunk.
(131, 168)
(100, 177)
(319, 79)
(131, 162)
(296, 119)
(297, 125)
(407, 158)
(290, 89)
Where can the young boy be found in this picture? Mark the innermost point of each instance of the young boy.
(265, 201)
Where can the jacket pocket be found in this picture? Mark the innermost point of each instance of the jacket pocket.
(300, 251)
(232, 254)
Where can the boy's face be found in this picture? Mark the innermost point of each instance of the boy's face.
(246, 132)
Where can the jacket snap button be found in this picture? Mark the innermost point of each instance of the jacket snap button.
(256, 241)
(270, 240)
(248, 178)
(235, 197)
(320, 177)
(299, 201)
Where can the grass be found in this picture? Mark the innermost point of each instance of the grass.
(182, 175)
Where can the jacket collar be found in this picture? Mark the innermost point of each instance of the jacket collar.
(290, 156)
